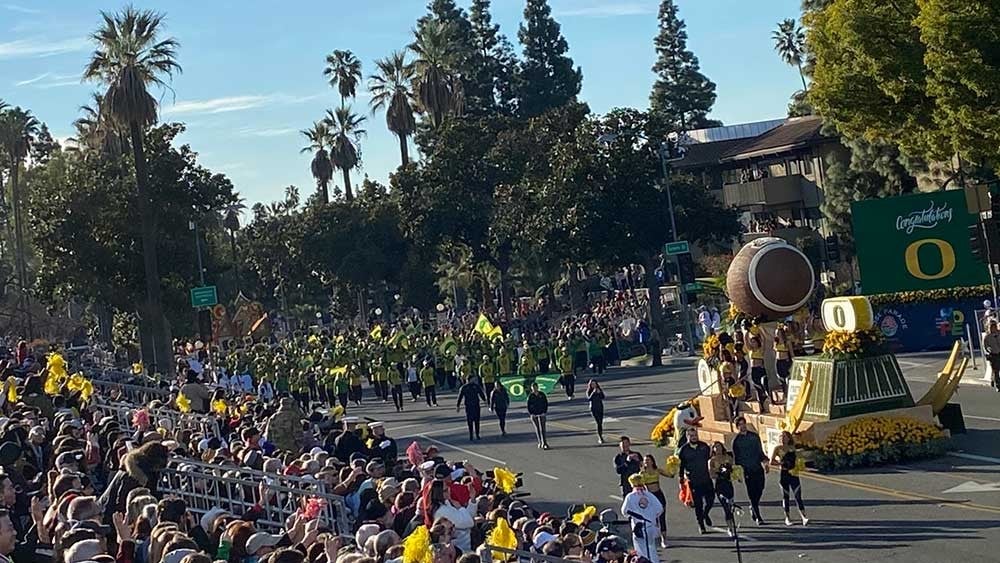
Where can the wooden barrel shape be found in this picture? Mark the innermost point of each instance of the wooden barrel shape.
(770, 278)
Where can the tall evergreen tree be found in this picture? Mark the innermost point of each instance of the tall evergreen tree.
(682, 95)
(492, 86)
(548, 77)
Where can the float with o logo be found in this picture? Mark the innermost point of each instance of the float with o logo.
(839, 401)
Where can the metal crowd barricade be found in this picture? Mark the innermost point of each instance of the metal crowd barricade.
(136, 394)
(122, 412)
(236, 489)
(523, 556)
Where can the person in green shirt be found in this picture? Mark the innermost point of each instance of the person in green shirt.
(542, 355)
(579, 346)
(430, 389)
(380, 381)
(566, 374)
(487, 374)
(341, 386)
(354, 379)
(465, 371)
(504, 360)
(596, 351)
(395, 382)
(528, 368)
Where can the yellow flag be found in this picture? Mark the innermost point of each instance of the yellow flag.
(495, 334)
(376, 333)
(483, 325)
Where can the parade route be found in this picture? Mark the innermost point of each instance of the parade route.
(911, 513)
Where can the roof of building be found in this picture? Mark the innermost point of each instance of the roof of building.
(795, 133)
(789, 134)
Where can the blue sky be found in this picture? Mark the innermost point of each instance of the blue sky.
(253, 68)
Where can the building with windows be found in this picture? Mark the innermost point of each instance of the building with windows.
(772, 172)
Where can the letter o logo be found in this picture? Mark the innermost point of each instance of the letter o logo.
(517, 389)
(913, 259)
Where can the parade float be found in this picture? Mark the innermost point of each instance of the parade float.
(850, 404)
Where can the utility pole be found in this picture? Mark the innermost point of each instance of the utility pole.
(666, 154)
(193, 225)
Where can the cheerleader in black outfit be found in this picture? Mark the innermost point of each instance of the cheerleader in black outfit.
(786, 456)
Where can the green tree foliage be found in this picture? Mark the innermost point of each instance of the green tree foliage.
(869, 76)
(492, 85)
(320, 141)
(436, 82)
(790, 43)
(682, 95)
(548, 77)
(88, 242)
(345, 142)
(962, 41)
(392, 90)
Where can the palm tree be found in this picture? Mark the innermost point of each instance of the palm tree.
(322, 169)
(97, 132)
(438, 88)
(392, 89)
(345, 136)
(231, 221)
(18, 131)
(790, 43)
(130, 57)
(343, 70)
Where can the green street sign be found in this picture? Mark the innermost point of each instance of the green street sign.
(692, 287)
(204, 296)
(676, 247)
(518, 387)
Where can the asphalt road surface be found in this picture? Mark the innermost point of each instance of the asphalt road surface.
(942, 510)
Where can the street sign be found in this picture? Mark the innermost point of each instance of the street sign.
(676, 247)
(204, 296)
(692, 287)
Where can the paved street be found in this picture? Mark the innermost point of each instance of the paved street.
(943, 510)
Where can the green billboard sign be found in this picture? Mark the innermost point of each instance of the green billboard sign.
(915, 242)
(204, 296)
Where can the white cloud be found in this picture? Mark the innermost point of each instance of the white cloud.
(266, 132)
(48, 80)
(216, 105)
(39, 47)
(234, 103)
(21, 9)
(607, 9)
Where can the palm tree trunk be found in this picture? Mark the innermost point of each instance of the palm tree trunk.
(802, 75)
(404, 149)
(19, 259)
(236, 261)
(347, 185)
(159, 352)
(324, 192)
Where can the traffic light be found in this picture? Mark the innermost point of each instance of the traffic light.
(976, 242)
(832, 248)
(685, 268)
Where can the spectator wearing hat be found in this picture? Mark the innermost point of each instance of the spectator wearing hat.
(382, 446)
(349, 442)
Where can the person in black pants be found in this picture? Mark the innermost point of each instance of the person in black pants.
(627, 462)
(596, 397)
(538, 408)
(499, 401)
(749, 454)
(694, 456)
(470, 393)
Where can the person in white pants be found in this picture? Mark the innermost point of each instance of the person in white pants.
(642, 508)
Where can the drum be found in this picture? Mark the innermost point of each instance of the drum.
(770, 279)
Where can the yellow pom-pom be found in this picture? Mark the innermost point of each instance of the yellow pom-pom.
(800, 466)
(51, 384)
(76, 382)
(87, 391)
(581, 517)
(506, 480)
(417, 546)
(220, 407)
(183, 404)
(502, 536)
(737, 391)
(11, 391)
(738, 473)
(672, 466)
(137, 368)
(57, 365)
